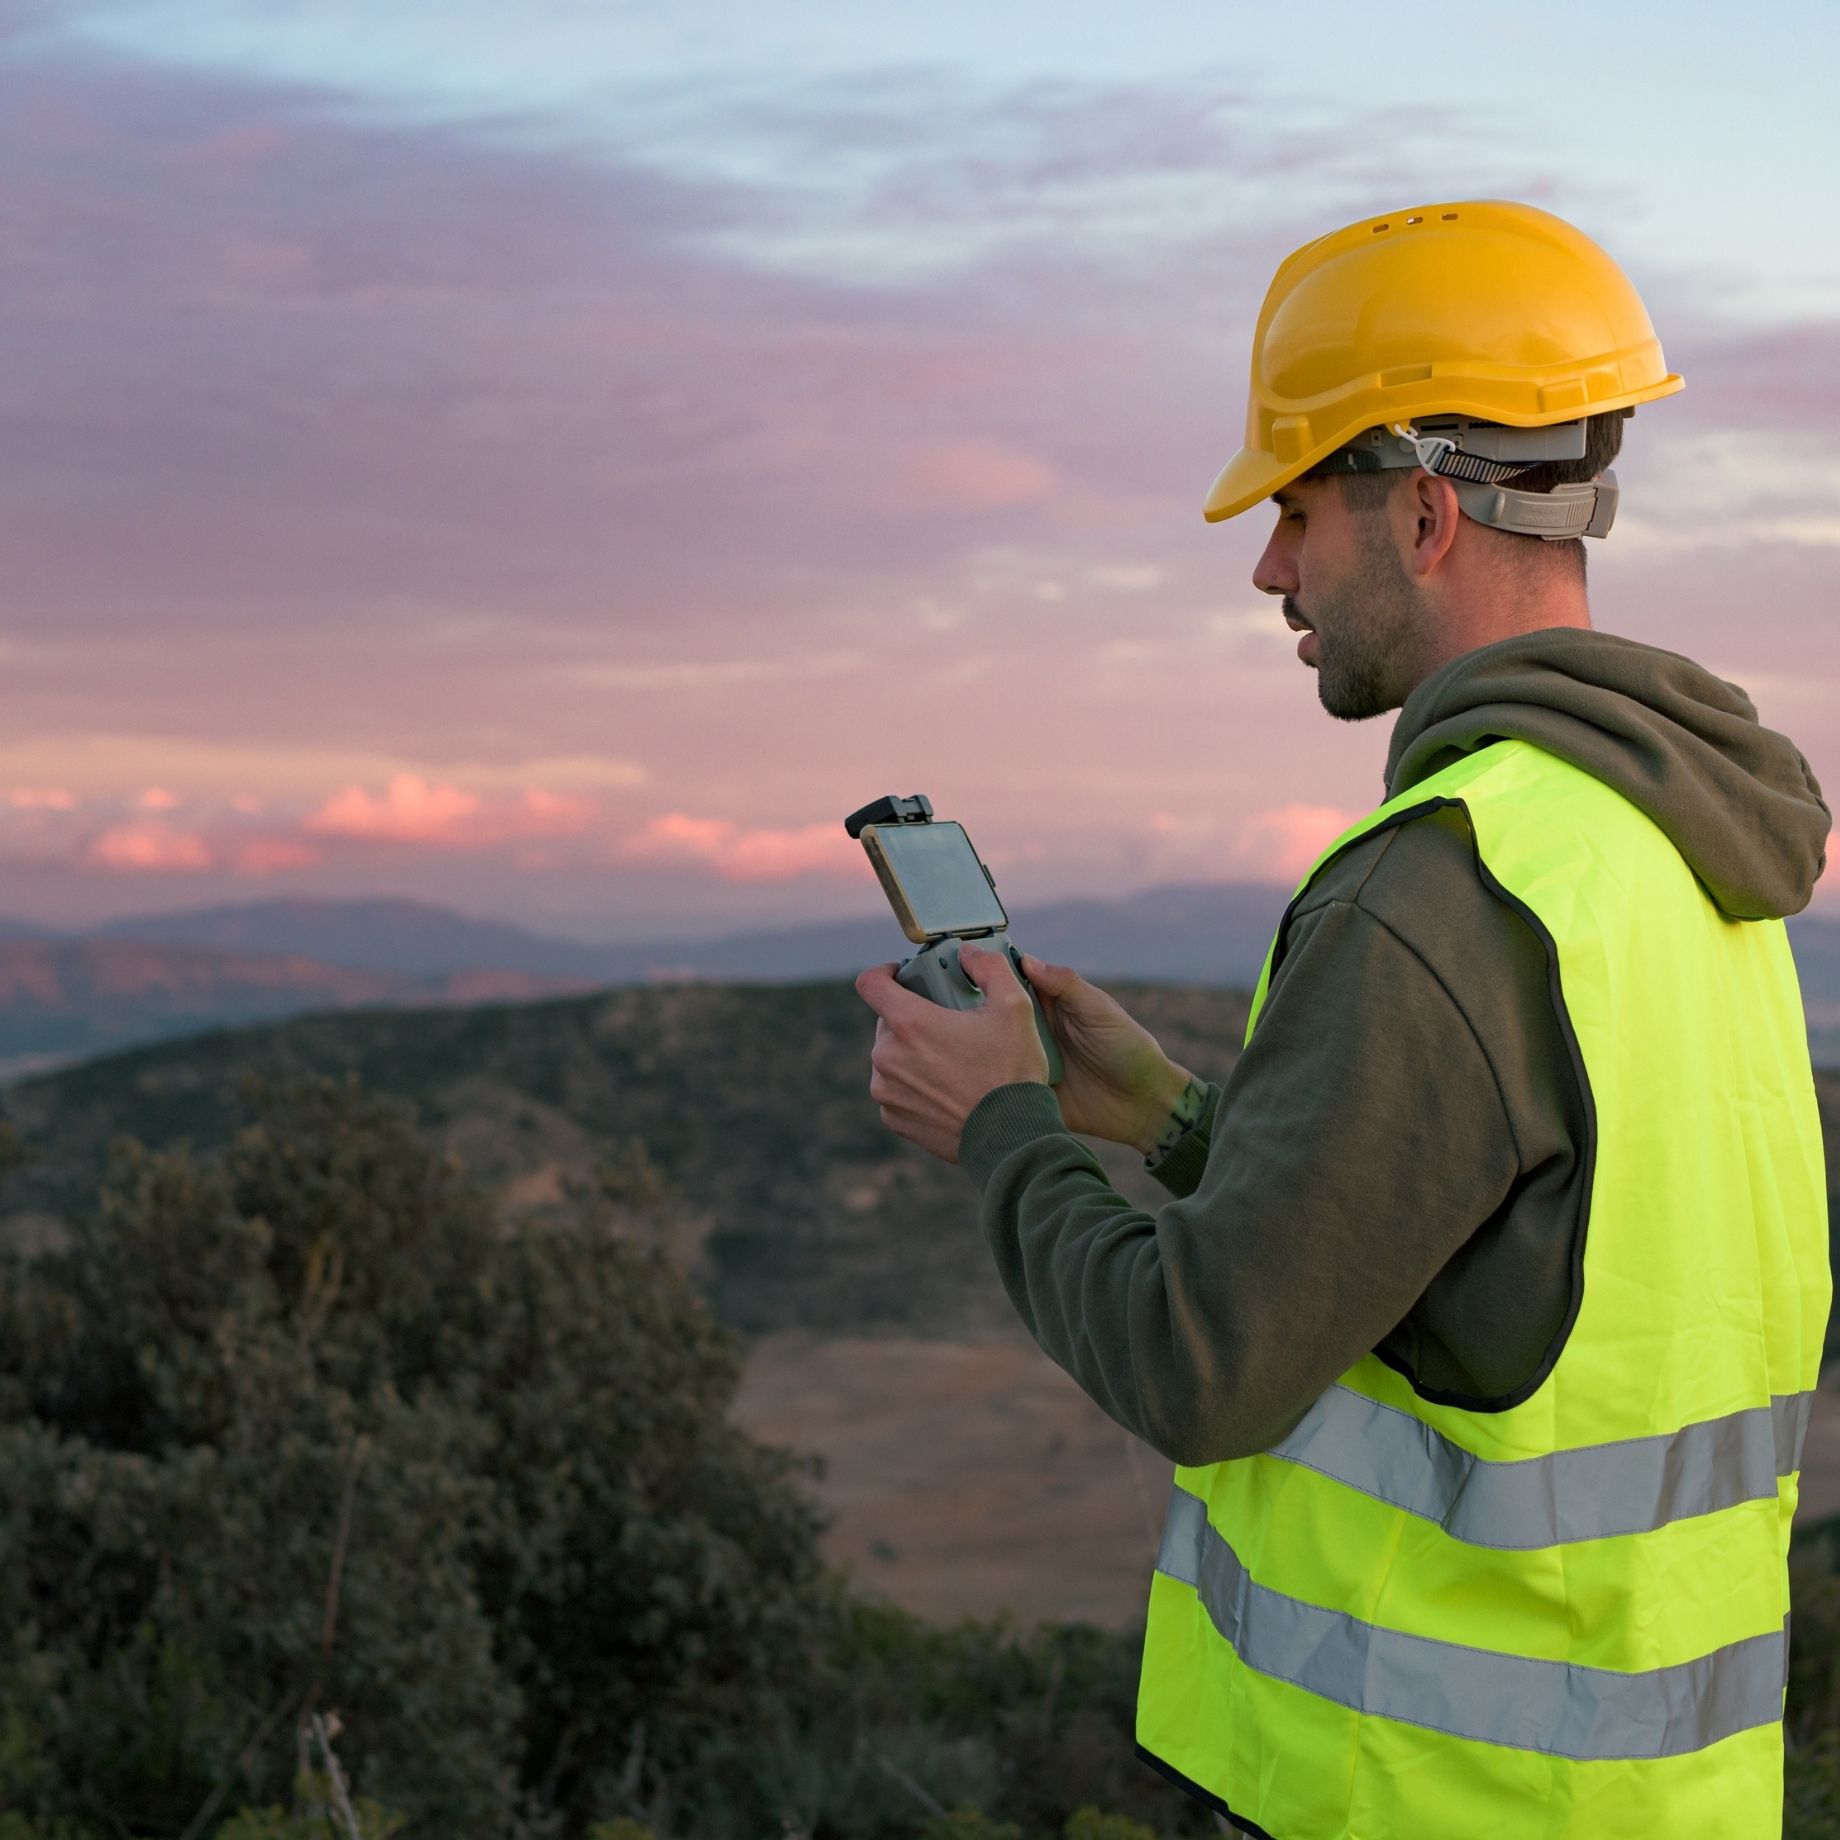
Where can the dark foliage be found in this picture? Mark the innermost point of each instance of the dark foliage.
(304, 1428)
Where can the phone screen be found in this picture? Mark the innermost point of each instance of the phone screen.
(941, 876)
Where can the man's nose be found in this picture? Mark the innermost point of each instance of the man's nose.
(1275, 572)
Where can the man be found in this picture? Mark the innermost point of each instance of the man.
(1483, 1323)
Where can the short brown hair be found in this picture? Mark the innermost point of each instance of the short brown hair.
(1603, 441)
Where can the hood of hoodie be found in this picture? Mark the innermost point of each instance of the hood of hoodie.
(1737, 799)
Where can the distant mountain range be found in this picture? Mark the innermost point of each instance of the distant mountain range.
(65, 996)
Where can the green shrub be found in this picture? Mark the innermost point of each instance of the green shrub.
(17, 1827)
(312, 1793)
(1811, 1789)
(1091, 1824)
(900, 1717)
(969, 1824)
(305, 1427)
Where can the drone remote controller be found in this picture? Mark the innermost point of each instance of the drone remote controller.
(943, 896)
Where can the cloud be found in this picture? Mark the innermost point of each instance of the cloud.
(1287, 839)
(41, 798)
(1773, 377)
(1641, 535)
(266, 339)
(930, 170)
(252, 775)
(440, 433)
(157, 798)
(706, 674)
(1278, 844)
(1131, 578)
(150, 847)
(734, 853)
(414, 810)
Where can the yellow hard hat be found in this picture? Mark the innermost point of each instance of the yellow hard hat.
(1483, 308)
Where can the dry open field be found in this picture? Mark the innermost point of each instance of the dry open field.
(971, 1478)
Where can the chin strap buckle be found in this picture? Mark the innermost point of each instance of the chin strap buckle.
(1426, 446)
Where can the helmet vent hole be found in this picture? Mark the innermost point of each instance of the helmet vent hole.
(1379, 227)
(1450, 217)
(1415, 220)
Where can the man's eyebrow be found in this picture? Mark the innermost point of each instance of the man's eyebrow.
(1286, 500)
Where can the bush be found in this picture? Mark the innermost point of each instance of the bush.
(969, 1824)
(1092, 1824)
(900, 1719)
(303, 1428)
(311, 1793)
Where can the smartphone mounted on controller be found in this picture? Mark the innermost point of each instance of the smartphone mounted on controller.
(942, 894)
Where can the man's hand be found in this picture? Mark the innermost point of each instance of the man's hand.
(932, 1065)
(1116, 1081)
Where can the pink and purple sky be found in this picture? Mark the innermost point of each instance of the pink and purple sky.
(558, 461)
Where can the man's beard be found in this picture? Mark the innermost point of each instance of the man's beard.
(1367, 631)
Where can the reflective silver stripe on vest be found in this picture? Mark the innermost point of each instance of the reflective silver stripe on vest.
(1558, 1707)
(1590, 1493)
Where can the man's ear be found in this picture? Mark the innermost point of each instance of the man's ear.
(1430, 515)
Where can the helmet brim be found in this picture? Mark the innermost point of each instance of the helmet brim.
(1250, 476)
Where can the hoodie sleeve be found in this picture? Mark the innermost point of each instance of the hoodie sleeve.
(1358, 1142)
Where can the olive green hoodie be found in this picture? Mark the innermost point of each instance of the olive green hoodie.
(1394, 1161)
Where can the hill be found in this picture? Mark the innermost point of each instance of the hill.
(63, 998)
(1211, 934)
(752, 1099)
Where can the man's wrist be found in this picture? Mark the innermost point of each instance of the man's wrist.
(1176, 1113)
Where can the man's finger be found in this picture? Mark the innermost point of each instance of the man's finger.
(878, 988)
(876, 978)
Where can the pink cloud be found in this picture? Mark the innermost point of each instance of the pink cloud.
(1289, 838)
(157, 798)
(412, 810)
(150, 847)
(41, 798)
(845, 436)
(841, 427)
(738, 855)
(1779, 376)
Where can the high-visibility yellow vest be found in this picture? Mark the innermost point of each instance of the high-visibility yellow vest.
(1565, 1618)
